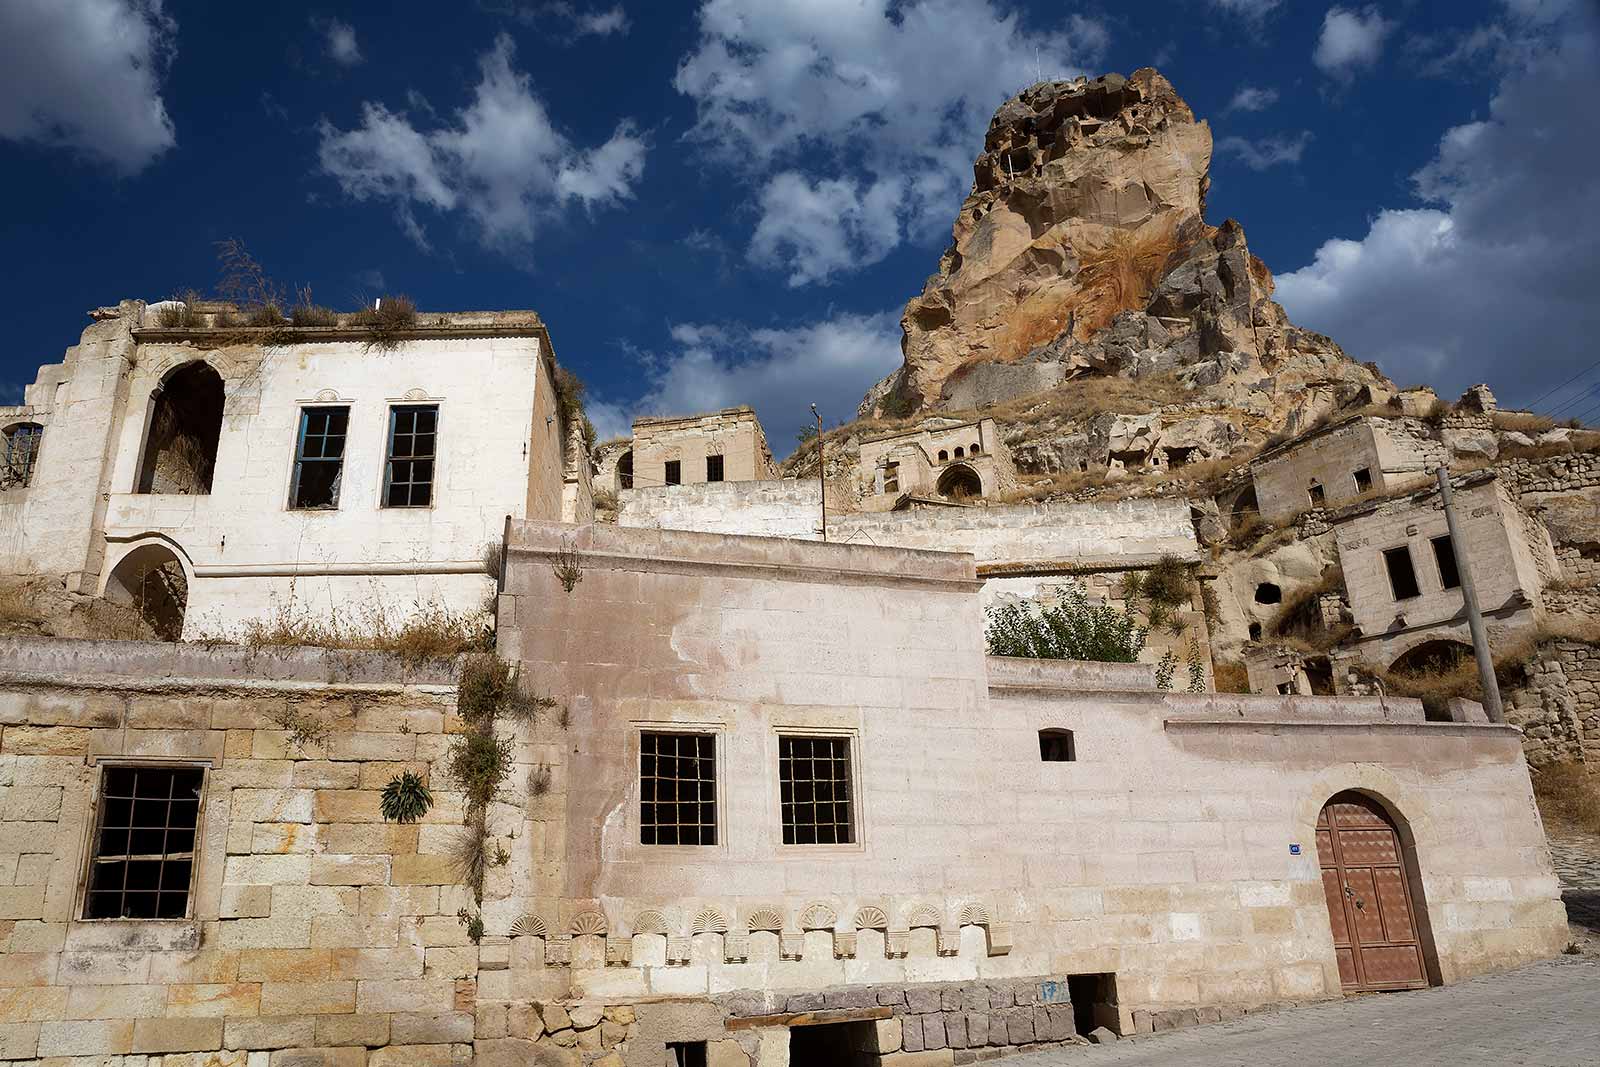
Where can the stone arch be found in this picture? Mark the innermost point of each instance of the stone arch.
(974, 915)
(625, 470)
(818, 917)
(152, 577)
(960, 481)
(530, 926)
(589, 922)
(1433, 654)
(1378, 800)
(944, 455)
(765, 919)
(871, 918)
(960, 452)
(710, 921)
(179, 453)
(650, 922)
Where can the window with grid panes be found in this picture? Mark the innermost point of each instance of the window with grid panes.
(144, 843)
(319, 457)
(408, 474)
(677, 789)
(815, 790)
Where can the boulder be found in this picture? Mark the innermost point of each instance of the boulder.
(1101, 1035)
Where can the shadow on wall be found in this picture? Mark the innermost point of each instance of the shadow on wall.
(151, 580)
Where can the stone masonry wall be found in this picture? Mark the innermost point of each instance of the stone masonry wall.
(1558, 707)
(789, 507)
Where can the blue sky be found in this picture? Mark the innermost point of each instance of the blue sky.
(731, 201)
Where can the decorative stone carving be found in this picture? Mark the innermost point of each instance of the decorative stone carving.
(590, 922)
(765, 919)
(947, 941)
(818, 917)
(870, 918)
(651, 922)
(999, 936)
(844, 944)
(558, 950)
(710, 921)
(974, 915)
(923, 916)
(619, 950)
(896, 943)
(735, 948)
(530, 926)
(416, 394)
(678, 951)
(792, 946)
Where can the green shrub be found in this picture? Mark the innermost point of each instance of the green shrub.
(1071, 629)
(405, 799)
(477, 764)
(386, 323)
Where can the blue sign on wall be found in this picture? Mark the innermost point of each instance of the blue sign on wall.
(1054, 993)
(1294, 850)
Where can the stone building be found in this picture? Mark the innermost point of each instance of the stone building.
(963, 462)
(724, 446)
(212, 479)
(787, 812)
(1338, 463)
(1402, 576)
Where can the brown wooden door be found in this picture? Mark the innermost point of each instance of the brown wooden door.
(1369, 897)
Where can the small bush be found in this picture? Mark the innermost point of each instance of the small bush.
(468, 857)
(539, 780)
(473, 923)
(265, 315)
(313, 315)
(181, 315)
(1071, 629)
(405, 799)
(1168, 582)
(494, 559)
(477, 764)
(303, 729)
(429, 633)
(387, 323)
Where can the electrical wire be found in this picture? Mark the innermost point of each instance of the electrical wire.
(1563, 385)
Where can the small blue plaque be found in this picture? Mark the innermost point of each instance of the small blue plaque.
(1294, 850)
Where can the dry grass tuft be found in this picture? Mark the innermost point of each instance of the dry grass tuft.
(431, 632)
(1230, 676)
(1569, 795)
(387, 323)
(1522, 421)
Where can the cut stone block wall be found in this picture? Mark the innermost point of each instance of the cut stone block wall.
(1558, 706)
(788, 507)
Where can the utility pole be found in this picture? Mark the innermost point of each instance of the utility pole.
(822, 472)
(1480, 639)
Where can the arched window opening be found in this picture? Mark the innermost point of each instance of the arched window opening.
(1434, 657)
(944, 456)
(152, 581)
(959, 452)
(974, 450)
(959, 483)
(180, 452)
(21, 454)
(1056, 746)
(625, 470)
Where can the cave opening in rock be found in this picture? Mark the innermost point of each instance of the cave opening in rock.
(1269, 593)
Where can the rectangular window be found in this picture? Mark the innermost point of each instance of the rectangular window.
(408, 473)
(1364, 480)
(1056, 746)
(814, 790)
(1317, 495)
(319, 457)
(674, 472)
(891, 478)
(144, 839)
(1402, 575)
(713, 468)
(677, 789)
(686, 1054)
(1444, 554)
(21, 453)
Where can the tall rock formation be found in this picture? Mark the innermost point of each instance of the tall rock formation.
(1083, 250)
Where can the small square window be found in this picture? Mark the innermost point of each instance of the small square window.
(891, 478)
(319, 457)
(408, 471)
(1402, 574)
(713, 468)
(1056, 746)
(674, 472)
(144, 843)
(1444, 554)
(1318, 497)
(686, 1054)
(1364, 480)
(814, 790)
(677, 789)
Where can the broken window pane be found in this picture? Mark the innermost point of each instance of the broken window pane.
(21, 454)
(319, 457)
(1364, 480)
(144, 843)
(1402, 575)
(1444, 554)
(408, 472)
(1317, 495)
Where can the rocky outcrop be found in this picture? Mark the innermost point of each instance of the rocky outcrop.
(1083, 251)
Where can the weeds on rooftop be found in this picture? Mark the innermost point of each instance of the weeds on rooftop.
(429, 632)
(386, 323)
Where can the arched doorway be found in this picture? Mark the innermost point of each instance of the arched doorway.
(960, 482)
(151, 580)
(1373, 892)
(1433, 657)
(625, 470)
(180, 451)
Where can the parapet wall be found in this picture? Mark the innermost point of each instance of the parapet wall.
(788, 507)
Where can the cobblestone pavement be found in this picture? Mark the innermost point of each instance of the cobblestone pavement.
(1546, 1015)
(1577, 862)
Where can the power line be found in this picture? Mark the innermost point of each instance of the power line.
(1582, 398)
(1564, 384)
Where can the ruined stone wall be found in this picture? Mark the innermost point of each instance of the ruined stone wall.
(1558, 706)
(733, 434)
(788, 507)
(1392, 455)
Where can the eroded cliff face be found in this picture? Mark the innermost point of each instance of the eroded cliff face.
(1083, 251)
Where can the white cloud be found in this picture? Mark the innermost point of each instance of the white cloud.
(778, 371)
(1250, 98)
(339, 39)
(1265, 152)
(1350, 41)
(86, 74)
(867, 96)
(1250, 9)
(501, 160)
(1492, 279)
(590, 23)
